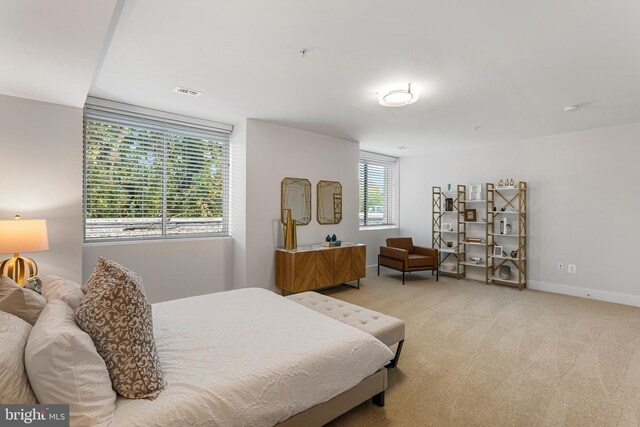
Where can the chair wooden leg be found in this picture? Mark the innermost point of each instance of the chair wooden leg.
(403, 277)
(437, 274)
(378, 265)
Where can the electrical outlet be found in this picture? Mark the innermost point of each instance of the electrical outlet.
(571, 268)
(560, 266)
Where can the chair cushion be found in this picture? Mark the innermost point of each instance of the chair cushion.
(117, 317)
(405, 243)
(14, 384)
(420, 261)
(64, 367)
(54, 287)
(21, 302)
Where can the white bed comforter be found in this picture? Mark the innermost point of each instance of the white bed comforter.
(249, 358)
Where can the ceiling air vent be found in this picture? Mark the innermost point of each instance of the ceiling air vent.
(188, 92)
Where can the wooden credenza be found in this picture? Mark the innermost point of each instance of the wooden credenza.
(313, 267)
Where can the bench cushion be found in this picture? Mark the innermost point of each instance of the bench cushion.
(387, 329)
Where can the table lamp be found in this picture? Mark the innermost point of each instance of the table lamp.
(19, 235)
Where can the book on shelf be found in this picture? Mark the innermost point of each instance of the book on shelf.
(332, 244)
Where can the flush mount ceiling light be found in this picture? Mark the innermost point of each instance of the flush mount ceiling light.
(570, 108)
(397, 97)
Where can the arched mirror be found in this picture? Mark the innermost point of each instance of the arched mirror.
(329, 206)
(296, 195)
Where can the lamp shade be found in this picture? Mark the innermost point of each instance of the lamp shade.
(23, 236)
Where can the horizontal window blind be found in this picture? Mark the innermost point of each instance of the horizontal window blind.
(151, 175)
(378, 176)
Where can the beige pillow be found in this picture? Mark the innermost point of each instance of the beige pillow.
(64, 367)
(19, 301)
(54, 287)
(14, 384)
(117, 317)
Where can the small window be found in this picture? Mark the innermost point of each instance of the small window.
(150, 176)
(378, 176)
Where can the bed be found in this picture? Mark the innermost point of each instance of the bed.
(251, 357)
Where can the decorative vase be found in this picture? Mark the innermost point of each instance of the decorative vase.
(505, 272)
(290, 238)
(328, 238)
(500, 183)
(334, 238)
(514, 254)
(511, 183)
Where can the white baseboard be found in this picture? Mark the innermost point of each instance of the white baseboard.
(615, 297)
(618, 298)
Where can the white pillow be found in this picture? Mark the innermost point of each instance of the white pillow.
(54, 287)
(64, 367)
(14, 384)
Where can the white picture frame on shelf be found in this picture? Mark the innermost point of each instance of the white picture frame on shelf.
(498, 252)
(475, 192)
(447, 226)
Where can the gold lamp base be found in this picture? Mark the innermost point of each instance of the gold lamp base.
(18, 268)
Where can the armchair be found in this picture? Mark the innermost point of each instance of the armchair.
(400, 254)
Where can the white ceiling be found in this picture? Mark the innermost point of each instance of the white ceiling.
(49, 49)
(507, 66)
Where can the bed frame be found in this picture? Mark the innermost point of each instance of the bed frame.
(372, 387)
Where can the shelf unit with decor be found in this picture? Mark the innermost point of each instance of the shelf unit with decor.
(440, 235)
(510, 205)
(478, 229)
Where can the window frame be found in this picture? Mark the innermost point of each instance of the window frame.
(391, 188)
(175, 126)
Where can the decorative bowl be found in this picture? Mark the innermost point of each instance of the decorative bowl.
(475, 259)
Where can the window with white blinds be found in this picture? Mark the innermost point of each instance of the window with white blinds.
(378, 175)
(153, 175)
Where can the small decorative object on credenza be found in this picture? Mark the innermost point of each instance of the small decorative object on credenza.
(290, 238)
(19, 235)
(470, 215)
(331, 241)
(505, 272)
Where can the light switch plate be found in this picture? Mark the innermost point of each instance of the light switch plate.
(571, 268)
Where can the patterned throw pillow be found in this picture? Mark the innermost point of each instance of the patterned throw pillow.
(117, 317)
(98, 281)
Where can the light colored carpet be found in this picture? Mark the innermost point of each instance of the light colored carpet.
(495, 356)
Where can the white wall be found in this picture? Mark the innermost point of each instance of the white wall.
(275, 152)
(41, 175)
(583, 203)
(41, 152)
(171, 269)
(238, 203)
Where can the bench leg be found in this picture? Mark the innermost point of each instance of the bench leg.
(403, 277)
(378, 265)
(437, 274)
(378, 399)
(394, 362)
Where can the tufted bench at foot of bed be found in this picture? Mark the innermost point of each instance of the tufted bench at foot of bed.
(387, 329)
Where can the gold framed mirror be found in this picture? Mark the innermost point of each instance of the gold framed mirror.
(329, 203)
(295, 194)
